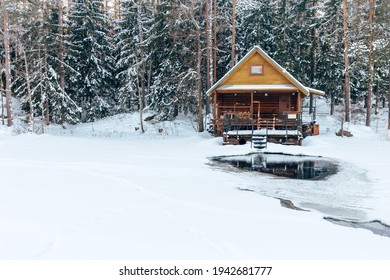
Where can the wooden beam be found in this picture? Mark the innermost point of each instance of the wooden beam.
(299, 101)
(246, 91)
(215, 105)
(252, 103)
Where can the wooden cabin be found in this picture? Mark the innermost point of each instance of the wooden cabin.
(258, 96)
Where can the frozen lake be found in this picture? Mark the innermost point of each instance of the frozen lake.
(306, 183)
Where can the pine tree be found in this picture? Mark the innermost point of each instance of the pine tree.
(169, 77)
(284, 34)
(178, 84)
(330, 66)
(135, 38)
(41, 67)
(383, 56)
(224, 37)
(90, 56)
(233, 49)
(255, 26)
(126, 34)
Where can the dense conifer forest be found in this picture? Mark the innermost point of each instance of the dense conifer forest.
(71, 61)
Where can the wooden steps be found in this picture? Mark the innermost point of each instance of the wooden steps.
(259, 141)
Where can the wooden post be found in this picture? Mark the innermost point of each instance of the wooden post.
(251, 104)
(299, 101)
(215, 105)
(215, 112)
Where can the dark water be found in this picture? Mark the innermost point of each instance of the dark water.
(289, 166)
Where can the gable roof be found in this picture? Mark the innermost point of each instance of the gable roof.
(284, 72)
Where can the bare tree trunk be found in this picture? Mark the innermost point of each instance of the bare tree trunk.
(377, 102)
(200, 101)
(61, 41)
(43, 95)
(215, 42)
(208, 45)
(208, 53)
(149, 80)
(141, 72)
(46, 104)
(347, 86)
(370, 39)
(1, 95)
(29, 99)
(117, 9)
(331, 103)
(61, 50)
(46, 68)
(232, 63)
(191, 15)
(388, 100)
(313, 58)
(8, 97)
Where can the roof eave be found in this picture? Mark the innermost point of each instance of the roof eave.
(316, 91)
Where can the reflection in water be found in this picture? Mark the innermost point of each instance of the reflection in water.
(295, 167)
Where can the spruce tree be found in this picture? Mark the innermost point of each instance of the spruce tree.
(224, 37)
(39, 85)
(89, 79)
(255, 26)
(168, 86)
(126, 34)
(330, 66)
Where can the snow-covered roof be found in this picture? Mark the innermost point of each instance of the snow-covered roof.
(316, 91)
(283, 71)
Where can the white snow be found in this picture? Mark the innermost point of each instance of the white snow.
(264, 131)
(103, 191)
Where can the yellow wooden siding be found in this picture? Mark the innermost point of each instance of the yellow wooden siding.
(242, 75)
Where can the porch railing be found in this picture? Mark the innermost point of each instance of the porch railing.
(246, 120)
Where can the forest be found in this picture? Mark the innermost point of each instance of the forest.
(72, 61)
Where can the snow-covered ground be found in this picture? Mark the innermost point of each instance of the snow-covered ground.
(103, 191)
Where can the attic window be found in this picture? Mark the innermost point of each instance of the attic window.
(257, 70)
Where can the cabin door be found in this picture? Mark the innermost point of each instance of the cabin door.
(284, 103)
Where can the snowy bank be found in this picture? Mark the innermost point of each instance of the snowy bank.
(157, 197)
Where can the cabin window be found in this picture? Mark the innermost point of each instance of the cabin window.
(257, 70)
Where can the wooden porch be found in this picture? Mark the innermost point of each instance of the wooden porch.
(255, 111)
